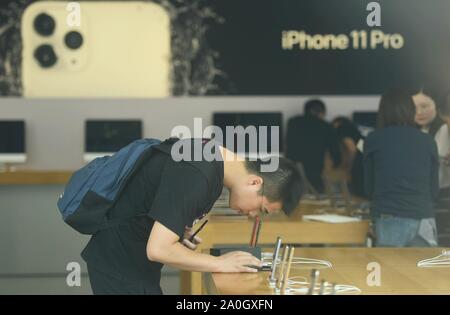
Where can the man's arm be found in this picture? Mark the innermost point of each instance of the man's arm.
(163, 246)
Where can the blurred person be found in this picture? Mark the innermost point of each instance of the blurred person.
(401, 168)
(442, 138)
(432, 115)
(352, 158)
(426, 101)
(310, 139)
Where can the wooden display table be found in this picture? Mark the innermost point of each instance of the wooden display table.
(399, 272)
(292, 230)
(35, 177)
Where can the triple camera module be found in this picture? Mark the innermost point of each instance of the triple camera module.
(45, 26)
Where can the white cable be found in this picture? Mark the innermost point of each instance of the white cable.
(442, 260)
(291, 282)
(311, 261)
(340, 289)
(300, 285)
(267, 258)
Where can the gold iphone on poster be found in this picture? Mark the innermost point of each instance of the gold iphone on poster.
(95, 49)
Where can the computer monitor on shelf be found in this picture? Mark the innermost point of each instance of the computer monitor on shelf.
(106, 137)
(258, 120)
(12, 142)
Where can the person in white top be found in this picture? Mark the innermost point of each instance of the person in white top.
(428, 118)
(430, 122)
(443, 140)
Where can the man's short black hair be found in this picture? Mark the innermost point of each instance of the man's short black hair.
(284, 185)
(315, 107)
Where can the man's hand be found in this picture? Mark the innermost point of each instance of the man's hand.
(163, 246)
(186, 239)
(237, 262)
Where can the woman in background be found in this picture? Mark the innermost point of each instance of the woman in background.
(442, 138)
(426, 100)
(433, 117)
(401, 175)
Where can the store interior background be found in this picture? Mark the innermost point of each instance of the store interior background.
(35, 244)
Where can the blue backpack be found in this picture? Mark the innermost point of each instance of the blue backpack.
(93, 189)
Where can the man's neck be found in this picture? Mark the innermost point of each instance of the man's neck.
(233, 167)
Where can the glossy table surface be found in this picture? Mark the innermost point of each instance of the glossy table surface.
(221, 230)
(398, 272)
(32, 177)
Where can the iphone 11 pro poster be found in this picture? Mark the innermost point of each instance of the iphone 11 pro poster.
(95, 49)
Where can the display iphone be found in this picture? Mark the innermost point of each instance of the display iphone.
(95, 49)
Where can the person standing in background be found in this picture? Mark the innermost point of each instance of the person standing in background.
(426, 100)
(401, 167)
(432, 113)
(309, 139)
(352, 159)
(442, 138)
(443, 204)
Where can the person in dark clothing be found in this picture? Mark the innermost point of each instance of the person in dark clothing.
(352, 158)
(309, 139)
(401, 175)
(346, 129)
(165, 198)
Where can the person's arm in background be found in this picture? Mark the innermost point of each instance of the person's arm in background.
(350, 146)
(447, 158)
(368, 169)
(442, 139)
(348, 154)
(163, 246)
(333, 147)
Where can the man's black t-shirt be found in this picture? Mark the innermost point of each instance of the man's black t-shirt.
(172, 193)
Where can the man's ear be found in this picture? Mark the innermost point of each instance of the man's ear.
(255, 180)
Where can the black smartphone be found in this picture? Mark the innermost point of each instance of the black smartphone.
(262, 268)
(199, 229)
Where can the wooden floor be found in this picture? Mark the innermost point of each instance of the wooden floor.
(399, 273)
